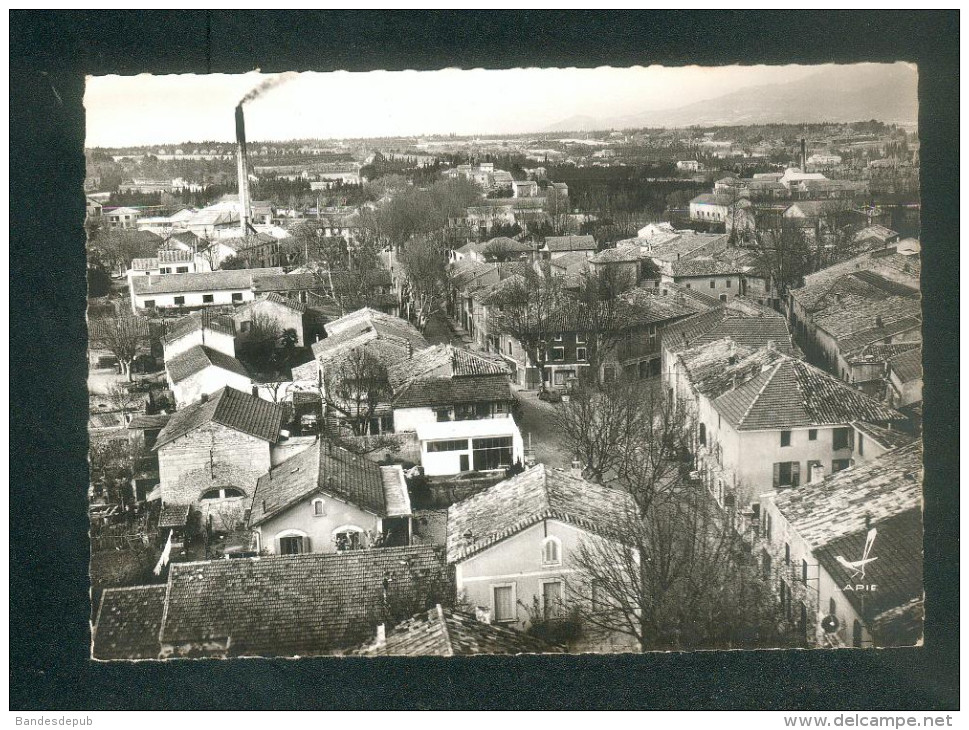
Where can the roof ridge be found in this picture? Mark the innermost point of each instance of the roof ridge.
(449, 647)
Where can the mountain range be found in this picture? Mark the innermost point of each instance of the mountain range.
(888, 93)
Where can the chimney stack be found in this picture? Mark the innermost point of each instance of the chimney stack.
(381, 635)
(576, 468)
(803, 155)
(482, 614)
(243, 171)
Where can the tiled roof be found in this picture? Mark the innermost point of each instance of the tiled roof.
(273, 298)
(536, 494)
(382, 324)
(279, 281)
(571, 261)
(128, 623)
(756, 331)
(857, 322)
(443, 361)
(503, 244)
(196, 359)
(324, 467)
(881, 352)
(445, 632)
(99, 329)
(570, 243)
(888, 264)
(704, 266)
(622, 253)
(238, 279)
(448, 391)
(900, 626)
(301, 605)
(876, 231)
(684, 245)
(908, 365)
(897, 570)
(838, 505)
(792, 393)
(174, 256)
(197, 320)
(717, 367)
(230, 408)
(887, 437)
(145, 422)
(713, 199)
(173, 515)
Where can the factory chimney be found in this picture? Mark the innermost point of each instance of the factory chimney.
(803, 155)
(243, 171)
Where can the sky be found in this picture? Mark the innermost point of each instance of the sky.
(148, 110)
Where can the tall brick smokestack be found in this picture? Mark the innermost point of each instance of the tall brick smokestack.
(803, 155)
(243, 171)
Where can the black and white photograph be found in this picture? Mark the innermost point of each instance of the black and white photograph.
(377, 368)
(627, 362)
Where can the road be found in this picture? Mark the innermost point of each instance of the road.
(440, 332)
(537, 420)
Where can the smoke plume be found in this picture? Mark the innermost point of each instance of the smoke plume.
(265, 86)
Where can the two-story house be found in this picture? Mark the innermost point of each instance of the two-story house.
(201, 371)
(200, 329)
(513, 546)
(194, 290)
(274, 310)
(326, 499)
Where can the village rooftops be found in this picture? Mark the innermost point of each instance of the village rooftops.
(390, 338)
(165, 256)
(329, 469)
(889, 262)
(203, 281)
(877, 232)
(299, 605)
(198, 358)
(537, 494)
(128, 623)
(195, 321)
(843, 502)
(705, 266)
(623, 253)
(447, 632)
(451, 391)
(558, 244)
(230, 408)
(743, 322)
(686, 244)
(717, 367)
(791, 393)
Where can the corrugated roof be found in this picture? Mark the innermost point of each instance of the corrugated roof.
(839, 504)
(202, 281)
(445, 632)
(128, 623)
(792, 393)
(324, 467)
(230, 408)
(198, 358)
(301, 605)
(538, 493)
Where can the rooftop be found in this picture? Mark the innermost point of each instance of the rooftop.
(128, 623)
(792, 393)
(301, 605)
(198, 358)
(745, 323)
(238, 279)
(704, 266)
(446, 632)
(907, 366)
(444, 361)
(570, 243)
(329, 469)
(273, 298)
(455, 390)
(195, 321)
(526, 499)
(230, 408)
(886, 437)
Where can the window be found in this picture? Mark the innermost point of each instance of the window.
(551, 551)
(840, 465)
(766, 564)
(181, 270)
(450, 445)
(179, 301)
(804, 571)
(787, 473)
(558, 353)
(165, 270)
(580, 353)
(224, 493)
(561, 377)
(207, 299)
(509, 348)
(842, 438)
(245, 326)
(608, 373)
(723, 297)
(688, 286)
(856, 634)
(812, 434)
(703, 434)
(729, 283)
(149, 303)
(767, 526)
(237, 296)
(492, 453)
(318, 508)
(348, 537)
(504, 603)
(552, 599)
(785, 438)
(861, 444)
(292, 545)
(713, 284)
(787, 553)
(558, 338)
(442, 414)
(784, 597)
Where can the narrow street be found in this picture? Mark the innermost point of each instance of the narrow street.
(537, 421)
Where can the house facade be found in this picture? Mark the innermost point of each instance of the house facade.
(455, 447)
(203, 289)
(283, 313)
(200, 371)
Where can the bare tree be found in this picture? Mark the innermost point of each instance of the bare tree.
(123, 399)
(785, 254)
(122, 336)
(424, 263)
(355, 388)
(605, 316)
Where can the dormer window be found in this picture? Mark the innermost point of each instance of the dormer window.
(551, 551)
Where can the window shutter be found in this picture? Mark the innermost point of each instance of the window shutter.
(306, 544)
(795, 473)
(777, 474)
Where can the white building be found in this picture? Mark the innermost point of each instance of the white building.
(202, 289)
(453, 447)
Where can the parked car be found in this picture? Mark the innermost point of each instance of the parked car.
(552, 396)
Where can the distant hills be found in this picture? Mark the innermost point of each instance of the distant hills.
(888, 93)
